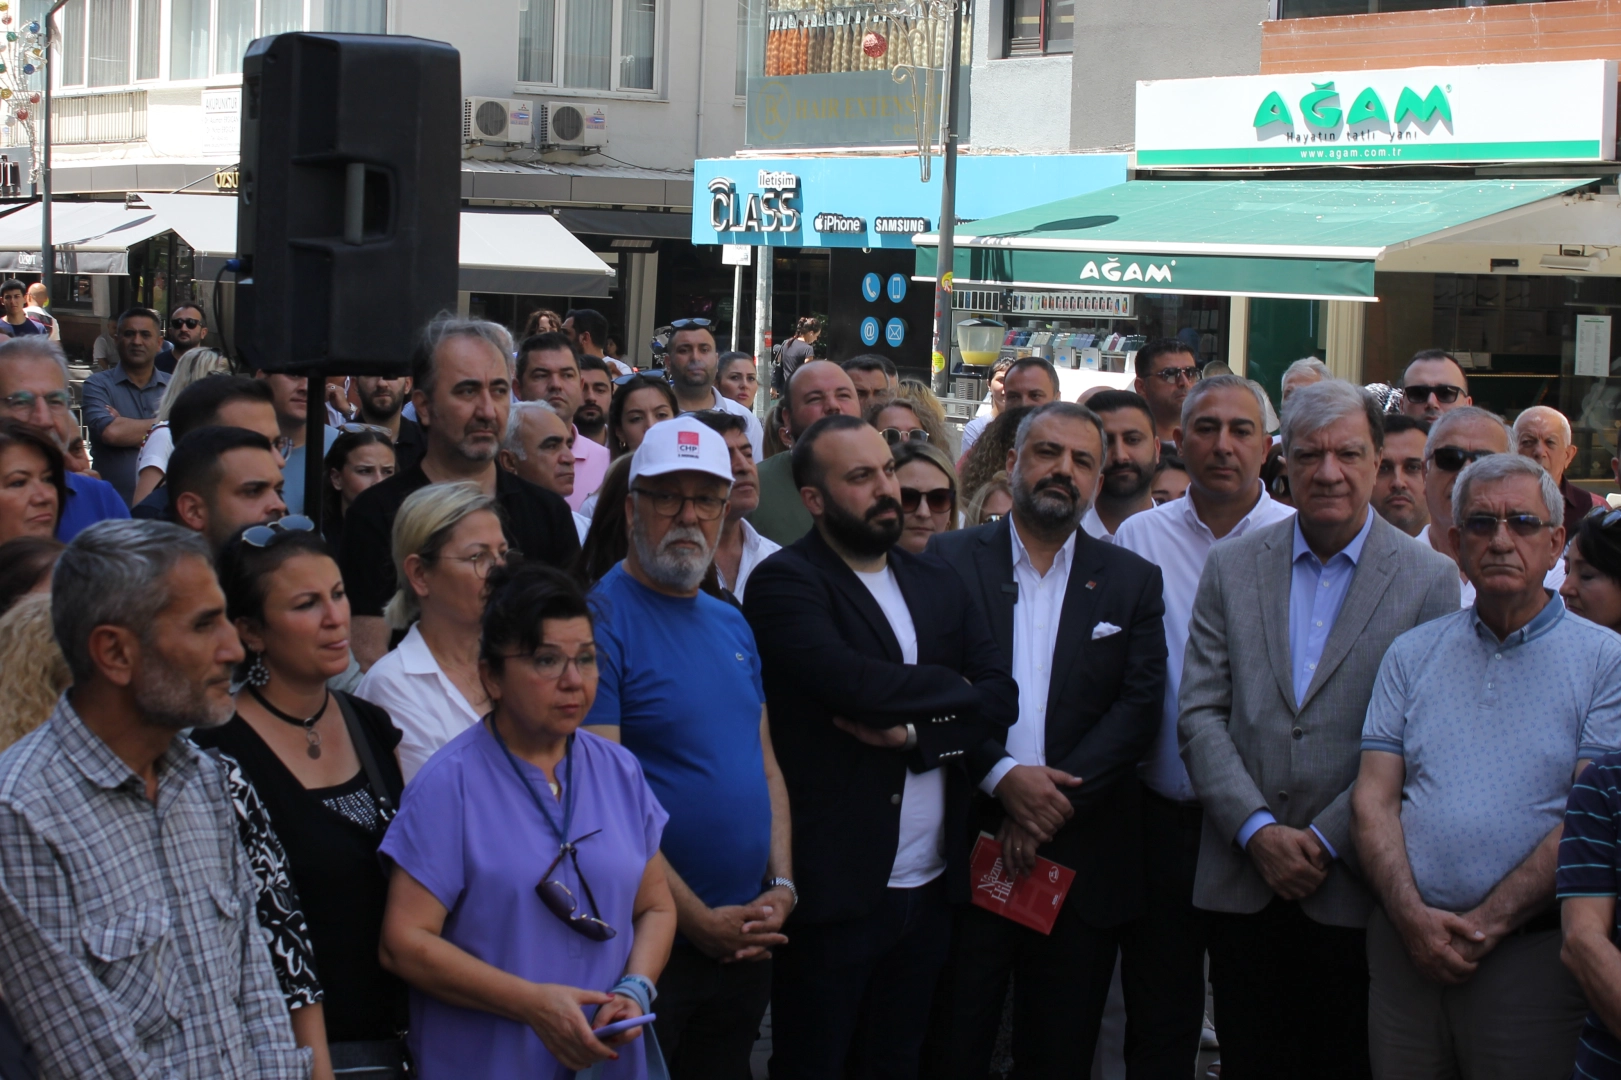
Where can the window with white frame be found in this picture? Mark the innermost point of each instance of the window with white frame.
(588, 44)
(208, 37)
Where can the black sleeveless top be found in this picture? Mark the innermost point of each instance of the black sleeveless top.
(333, 861)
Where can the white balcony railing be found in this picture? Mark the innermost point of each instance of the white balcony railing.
(99, 118)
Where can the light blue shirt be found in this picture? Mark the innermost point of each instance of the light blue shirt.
(292, 474)
(1490, 732)
(1316, 593)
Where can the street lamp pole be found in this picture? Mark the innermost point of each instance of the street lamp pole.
(47, 254)
(948, 208)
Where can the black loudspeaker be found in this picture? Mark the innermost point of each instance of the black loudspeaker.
(349, 200)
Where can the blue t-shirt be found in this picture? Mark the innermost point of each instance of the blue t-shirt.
(1588, 866)
(89, 501)
(292, 474)
(681, 678)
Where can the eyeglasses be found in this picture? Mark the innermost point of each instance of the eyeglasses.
(894, 436)
(364, 429)
(549, 666)
(1453, 458)
(682, 324)
(283, 446)
(623, 379)
(1172, 375)
(485, 562)
(1419, 395)
(939, 500)
(25, 400)
(261, 535)
(189, 324)
(990, 519)
(1484, 526)
(560, 901)
(669, 504)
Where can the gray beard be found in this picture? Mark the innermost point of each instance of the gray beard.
(677, 572)
(167, 700)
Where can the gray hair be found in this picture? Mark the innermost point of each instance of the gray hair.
(444, 327)
(1502, 467)
(1314, 407)
(1066, 409)
(1525, 414)
(1307, 365)
(520, 409)
(1221, 382)
(1452, 417)
(36, 347)
(112, 575)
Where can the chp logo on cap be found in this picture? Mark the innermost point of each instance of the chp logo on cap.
(686, 444)
(682, 444)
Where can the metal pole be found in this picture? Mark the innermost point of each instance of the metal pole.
(315, 447)
(762, 330)
(737, 306)
(948, 211)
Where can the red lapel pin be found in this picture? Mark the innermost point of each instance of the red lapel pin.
(1091, 584)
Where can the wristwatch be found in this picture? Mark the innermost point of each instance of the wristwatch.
(784, 883)
(911, 738)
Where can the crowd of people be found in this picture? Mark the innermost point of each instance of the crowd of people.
(596, 717)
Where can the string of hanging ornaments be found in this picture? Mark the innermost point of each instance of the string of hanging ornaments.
(22, 55)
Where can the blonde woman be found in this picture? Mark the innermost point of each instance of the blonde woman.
(153, 462)
(35, 672)
(447, 539)
(928, 493)
(931, 414)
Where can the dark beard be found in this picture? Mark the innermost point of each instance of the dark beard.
(862, 535)
(588, 423)
(373, 415)
(1049, 515)
(1127, 483)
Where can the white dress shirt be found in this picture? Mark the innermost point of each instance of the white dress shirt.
(582, 524)
(1035, 634)
(919, 854)
(424, 704)
(755, 549)
(1551, 581)
(1173, 538)
(1094, 526)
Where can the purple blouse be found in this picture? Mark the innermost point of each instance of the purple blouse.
(469, 831)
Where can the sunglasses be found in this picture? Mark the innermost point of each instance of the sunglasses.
(1172, 375)
(1418, 395)
(261, 535)
(625, 379)
(560, 901)
(1452, 458)
(939, 500)
(895, 436)
(189, 324)
(1484, 526)
(352, 428)
(682, 324)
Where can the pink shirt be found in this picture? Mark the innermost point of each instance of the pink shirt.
(590, 465)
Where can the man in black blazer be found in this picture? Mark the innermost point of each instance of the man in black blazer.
(881, 677)
(1080, 622)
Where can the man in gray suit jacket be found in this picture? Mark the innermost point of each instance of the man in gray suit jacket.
(1288, 630)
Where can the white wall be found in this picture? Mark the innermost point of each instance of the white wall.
(1019, 104)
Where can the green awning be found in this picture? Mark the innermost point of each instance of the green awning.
(1310, 239)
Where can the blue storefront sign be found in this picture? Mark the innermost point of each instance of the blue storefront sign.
(874, 202)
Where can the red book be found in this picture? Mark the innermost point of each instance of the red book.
(1032, 900)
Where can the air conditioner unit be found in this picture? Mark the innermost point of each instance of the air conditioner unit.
(497, 120)
(575, 125)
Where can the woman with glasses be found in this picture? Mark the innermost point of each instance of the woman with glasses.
(640, 401)
(928, 493)
(898, 422)
(323, 765)
(736, 378)
(33, 483)
(1592, 586)
(362, 456)
(447, 540)
(930, 413)
(991, 501)
(529, 907)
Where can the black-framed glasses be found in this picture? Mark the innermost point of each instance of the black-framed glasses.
(25, 400)
(939, 500)
(1485, 526)
(550, 666)
(189, 324)
(354, 428)
(894, 436)
(1454, 458)
(1419, 395)
(261, 535)
(1172, 375)
(684, 324)
(669, 504)
(561, 902)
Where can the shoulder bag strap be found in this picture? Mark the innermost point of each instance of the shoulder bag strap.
(357, 736)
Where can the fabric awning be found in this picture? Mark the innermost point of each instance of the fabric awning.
(1304, 239)
(500, 253)
(89, 238)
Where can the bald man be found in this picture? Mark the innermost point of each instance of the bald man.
(816, 389)
(1543, 435)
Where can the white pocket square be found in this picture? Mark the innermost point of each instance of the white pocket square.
(1104, 629)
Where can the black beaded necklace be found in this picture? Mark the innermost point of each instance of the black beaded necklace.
(310, 734)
